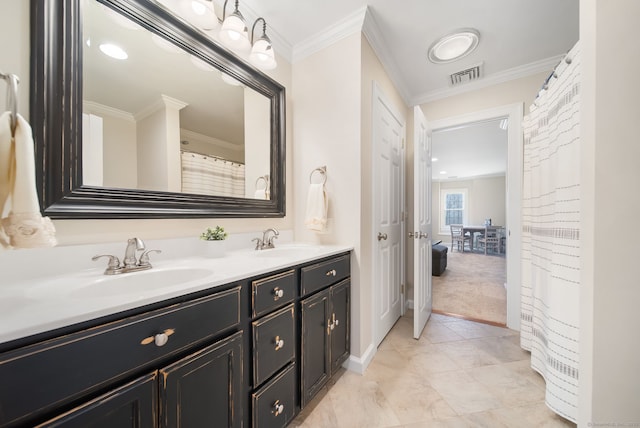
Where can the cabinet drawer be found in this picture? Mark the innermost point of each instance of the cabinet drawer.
(321, 275)
(57, 371)
(273, 343)
(272, 292)
(274, 403)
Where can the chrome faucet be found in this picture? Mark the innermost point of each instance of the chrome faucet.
(133, 245)
(130, 263)
(266, 241)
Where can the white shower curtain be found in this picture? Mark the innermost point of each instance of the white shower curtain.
(551, 236)
(207, 175)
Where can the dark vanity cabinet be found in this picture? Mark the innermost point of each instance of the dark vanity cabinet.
(325, 323)
(249, 354)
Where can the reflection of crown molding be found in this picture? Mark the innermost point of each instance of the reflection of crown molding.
(328, 36)
(186, 134)
(471, 177)
(101, 109)
(544, 65)
(162, 103)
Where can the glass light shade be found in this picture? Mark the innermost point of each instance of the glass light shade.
(200, 13)
(262, 54)
(234, 33)
(454, 46)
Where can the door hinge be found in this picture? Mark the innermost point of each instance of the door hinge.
(402, 288)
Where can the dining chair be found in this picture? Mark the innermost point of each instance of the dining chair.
(490, 240)
(458, 237)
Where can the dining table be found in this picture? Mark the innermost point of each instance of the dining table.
(473, 229)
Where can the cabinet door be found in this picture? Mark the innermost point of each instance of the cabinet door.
(204, 389)
(315, 344)
(132, 405)
(340, 324)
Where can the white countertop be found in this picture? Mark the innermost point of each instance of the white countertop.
(44, 294)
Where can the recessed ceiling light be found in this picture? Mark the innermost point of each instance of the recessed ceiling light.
(434, 159)
(443, 172)
(113, 51)
(454, 46)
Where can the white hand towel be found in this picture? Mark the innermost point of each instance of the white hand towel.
(24, 225)
(317, 208)
(7, 164)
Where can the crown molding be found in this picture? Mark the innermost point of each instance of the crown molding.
(519, 72)
(104, 110)
(349, 25)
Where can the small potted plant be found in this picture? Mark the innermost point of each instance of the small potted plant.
(214, 241)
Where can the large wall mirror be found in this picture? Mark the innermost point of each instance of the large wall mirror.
(174, 126)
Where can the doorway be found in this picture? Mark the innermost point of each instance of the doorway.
(513, 185)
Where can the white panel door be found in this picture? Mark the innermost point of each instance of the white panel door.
(422, 223)
(388, 138)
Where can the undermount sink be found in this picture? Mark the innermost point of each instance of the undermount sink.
(85, 285)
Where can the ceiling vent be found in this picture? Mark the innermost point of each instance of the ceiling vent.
(466, 76)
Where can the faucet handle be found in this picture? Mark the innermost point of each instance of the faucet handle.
(259, 243)
(113, 265)
(144, 258)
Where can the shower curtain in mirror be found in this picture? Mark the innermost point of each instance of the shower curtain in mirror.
(209, 175)
(551, 236)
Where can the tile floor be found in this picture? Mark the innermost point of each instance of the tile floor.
(459, 374)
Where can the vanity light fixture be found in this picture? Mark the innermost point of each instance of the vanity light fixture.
(454, 46)
(113, 51)
(234, 33)
(262, 54)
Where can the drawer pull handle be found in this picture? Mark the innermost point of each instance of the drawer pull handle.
(277, 293)
(332, 272)
(159, 339)
(279, 343)
(278, 408)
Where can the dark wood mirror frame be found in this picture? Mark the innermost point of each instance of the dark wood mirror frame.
(56, 117)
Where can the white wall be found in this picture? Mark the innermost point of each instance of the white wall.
(14, 45)
(609, 289)
(486, 199)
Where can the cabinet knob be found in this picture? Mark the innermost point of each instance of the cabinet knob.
(332, 272)
(277, 293)
(278, 408)
(279, 343)
(159, 339)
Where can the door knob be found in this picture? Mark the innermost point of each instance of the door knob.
(382, 236)
(410, 234)
(423, 235)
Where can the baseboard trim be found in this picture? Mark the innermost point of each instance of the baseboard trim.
(463, 317)
(359, 365)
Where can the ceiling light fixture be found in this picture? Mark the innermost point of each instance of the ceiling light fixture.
(454, 46)
(234, 33)
(262, 54)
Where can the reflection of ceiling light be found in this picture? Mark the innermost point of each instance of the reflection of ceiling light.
(434, 159)
(454, 46)
(443, 172)
(230, 80)
(113, 51)
(89, 42)
(202, 65)
(200, 13)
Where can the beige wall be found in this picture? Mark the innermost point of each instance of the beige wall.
(327, 133)
(486, 199)
(14, 45)
(609, 286)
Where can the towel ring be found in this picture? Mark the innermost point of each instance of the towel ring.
(12, 98)
(323, 171)
(264, 178)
